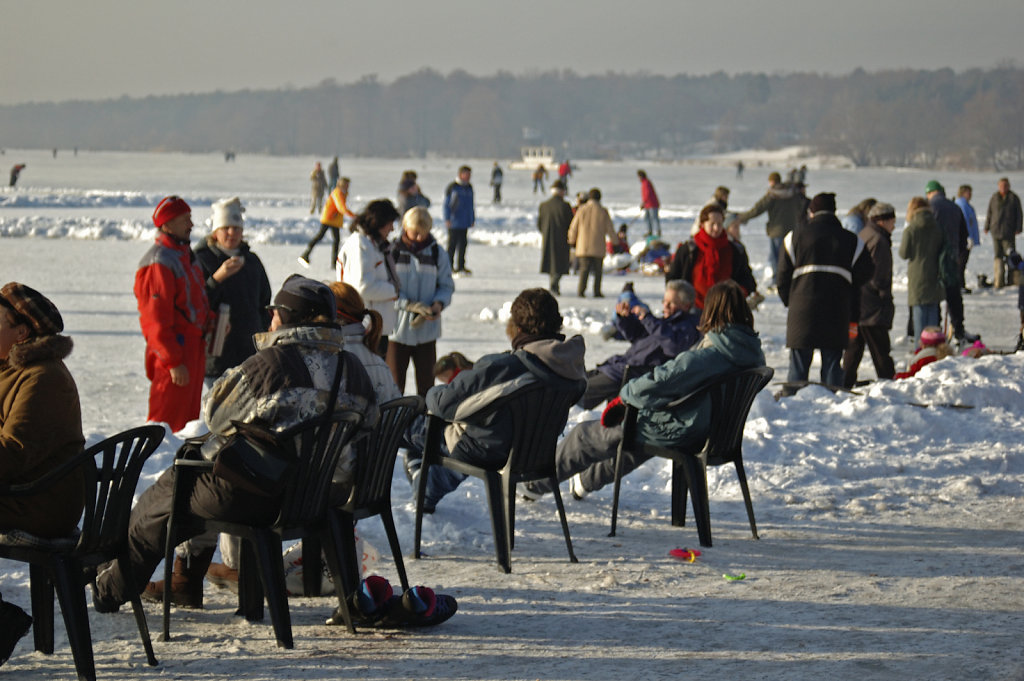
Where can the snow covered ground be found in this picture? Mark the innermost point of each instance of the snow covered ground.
(891, 533)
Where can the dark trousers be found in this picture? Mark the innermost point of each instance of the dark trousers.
(877, 340)
(800, 365)
(457, 241)
(497, 193)
(423, 357)
(335, 236)
(590, 264)
(589, 449)
(600, 387)
(955, 308)
(210, 498)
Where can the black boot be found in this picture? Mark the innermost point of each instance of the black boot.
(14, 623)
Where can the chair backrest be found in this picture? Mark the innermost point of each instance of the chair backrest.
(731, 399)
(375, 454)
(111, 470)
(317, 446)
(538, 416)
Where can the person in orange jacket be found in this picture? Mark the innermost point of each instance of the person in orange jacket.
(333, 218)
(174, 314)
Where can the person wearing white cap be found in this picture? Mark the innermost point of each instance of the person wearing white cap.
(235, 276)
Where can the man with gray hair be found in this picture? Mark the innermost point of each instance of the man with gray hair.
(653, 340)
(876, 304)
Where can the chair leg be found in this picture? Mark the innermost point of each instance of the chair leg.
(396, 549)
(312, 567)
(41, 588)
(338, 557)
(561, 514)
(124, 564)
(498, 524)
(268, 549)
(679, 488)
(250, 594)
(697, 482)
(421, 490)
(70, 592)
(509, 497)
(618, 487)
(742, 475)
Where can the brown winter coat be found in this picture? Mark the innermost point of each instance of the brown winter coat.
(588, 230)
(40, 428)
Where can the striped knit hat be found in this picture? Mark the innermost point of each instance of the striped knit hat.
(32, 308)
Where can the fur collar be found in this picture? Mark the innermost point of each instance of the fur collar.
(40, 349)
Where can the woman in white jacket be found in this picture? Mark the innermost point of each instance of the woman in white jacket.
(365, 263)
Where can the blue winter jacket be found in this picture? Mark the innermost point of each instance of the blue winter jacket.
(458, 206)
(557, 363)
(653, 340)
(424, 276)
(720, 352)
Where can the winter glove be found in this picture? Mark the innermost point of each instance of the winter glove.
(421, 313)
(614, 413)
(853, 330)
(754, 299)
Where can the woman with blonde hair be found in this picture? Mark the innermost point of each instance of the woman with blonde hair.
(921, 246)
(425, 288)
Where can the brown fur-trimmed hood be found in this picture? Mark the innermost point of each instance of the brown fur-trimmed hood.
(40, 349)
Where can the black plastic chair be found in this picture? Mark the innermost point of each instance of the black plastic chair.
(111, 470)
(317, 446)
(370, 496)
(731, 398)
(538, 417)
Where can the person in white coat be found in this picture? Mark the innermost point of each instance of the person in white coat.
(365, 263)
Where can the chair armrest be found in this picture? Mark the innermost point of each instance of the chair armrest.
(195, 464)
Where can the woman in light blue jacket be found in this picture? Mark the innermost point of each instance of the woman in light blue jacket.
(425, 288)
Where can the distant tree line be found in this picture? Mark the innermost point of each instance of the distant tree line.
(900, 117)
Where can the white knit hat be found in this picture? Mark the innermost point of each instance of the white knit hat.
(227, 213)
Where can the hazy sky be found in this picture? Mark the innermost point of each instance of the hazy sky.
(53, 50)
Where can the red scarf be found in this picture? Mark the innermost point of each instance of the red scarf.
(713, 263)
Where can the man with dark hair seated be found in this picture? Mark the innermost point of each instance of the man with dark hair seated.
(538, 348)
(653, 340)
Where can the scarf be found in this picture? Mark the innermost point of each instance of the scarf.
(713, 263)
(415, 246)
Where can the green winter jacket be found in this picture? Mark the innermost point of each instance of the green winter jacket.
(722, 352)
(921, 245)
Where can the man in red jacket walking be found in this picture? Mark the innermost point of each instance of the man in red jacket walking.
(650, 204)
(174, 315)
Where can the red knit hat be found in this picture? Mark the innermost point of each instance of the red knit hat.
(169, 208)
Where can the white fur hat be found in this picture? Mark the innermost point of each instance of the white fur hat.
(227, 213)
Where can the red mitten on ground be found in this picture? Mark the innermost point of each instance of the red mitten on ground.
(613, 413)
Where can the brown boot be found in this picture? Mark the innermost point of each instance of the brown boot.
(223, 576)
(186, 581)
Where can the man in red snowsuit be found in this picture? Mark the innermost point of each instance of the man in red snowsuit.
(174, 315)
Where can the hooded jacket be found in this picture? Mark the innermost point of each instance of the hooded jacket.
(40, 428)
(556, 362)
(733, 348)
(288, 381)
(921, 245)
